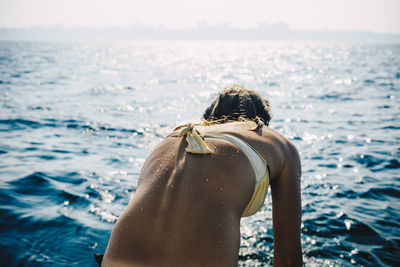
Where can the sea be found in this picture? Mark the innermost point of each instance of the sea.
(78, 119)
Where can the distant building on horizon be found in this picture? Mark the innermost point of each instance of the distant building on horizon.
(203, 31)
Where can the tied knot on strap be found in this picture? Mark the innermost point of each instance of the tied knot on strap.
(195, 140)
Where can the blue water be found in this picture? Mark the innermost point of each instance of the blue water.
(77, 121)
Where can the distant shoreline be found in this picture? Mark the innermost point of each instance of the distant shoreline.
(275, 32)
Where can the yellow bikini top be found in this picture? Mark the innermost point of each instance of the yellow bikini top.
(196, 145)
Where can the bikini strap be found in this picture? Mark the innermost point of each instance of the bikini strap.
(195, 139)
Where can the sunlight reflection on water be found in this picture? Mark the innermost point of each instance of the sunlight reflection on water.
(79, 119)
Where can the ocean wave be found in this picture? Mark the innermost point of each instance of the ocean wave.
(78, 121)
(23, 124)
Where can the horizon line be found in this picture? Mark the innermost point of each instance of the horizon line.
(203, 31)
(200, 25)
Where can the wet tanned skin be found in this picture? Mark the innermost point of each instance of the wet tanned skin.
(187, 207)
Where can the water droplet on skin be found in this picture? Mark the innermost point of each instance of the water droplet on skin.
(221, 188)
(206, 180)
(141, 209)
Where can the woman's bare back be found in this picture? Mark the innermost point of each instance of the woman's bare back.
(187, 207)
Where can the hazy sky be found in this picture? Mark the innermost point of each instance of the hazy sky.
(372, 15)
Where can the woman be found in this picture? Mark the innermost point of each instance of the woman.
(197, 184)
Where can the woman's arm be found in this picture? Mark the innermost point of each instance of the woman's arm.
(286, 210)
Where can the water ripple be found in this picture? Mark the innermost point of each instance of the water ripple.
(77, 121)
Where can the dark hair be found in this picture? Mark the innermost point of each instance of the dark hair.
(237, 102)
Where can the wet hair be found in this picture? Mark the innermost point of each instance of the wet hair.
(238, 103)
